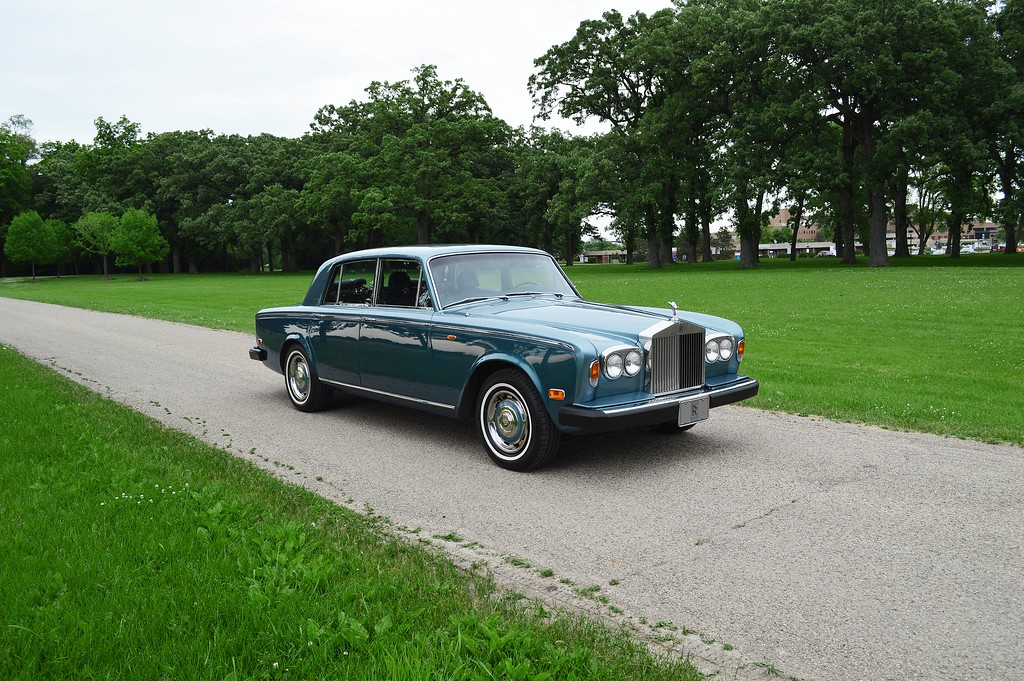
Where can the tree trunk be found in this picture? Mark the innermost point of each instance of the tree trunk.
(796, 227)
(1012, 235)
(653, 252)
(878, 255)
(176, 260)
(691, 231)
(748, 250)
(953, 227)
(899, 211)
(749, 228)
(422, 230)
(846, 198)
(705, 230)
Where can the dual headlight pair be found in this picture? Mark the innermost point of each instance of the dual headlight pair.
(721, 348)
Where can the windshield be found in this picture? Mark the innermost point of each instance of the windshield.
(474, 276)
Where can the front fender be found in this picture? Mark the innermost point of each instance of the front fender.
(550, 367)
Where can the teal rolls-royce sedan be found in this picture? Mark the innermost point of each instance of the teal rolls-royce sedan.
(500, 335)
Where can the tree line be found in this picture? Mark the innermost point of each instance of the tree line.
(854, 114)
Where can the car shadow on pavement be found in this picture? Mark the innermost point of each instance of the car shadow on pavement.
(614, 453)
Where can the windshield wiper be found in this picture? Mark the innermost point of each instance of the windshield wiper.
(533, 293)
(475, 299)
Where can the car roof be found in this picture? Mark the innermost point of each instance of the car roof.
(425, 252)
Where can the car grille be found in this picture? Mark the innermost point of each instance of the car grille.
(677, 359)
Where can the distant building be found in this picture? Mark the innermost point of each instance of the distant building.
(604, 257)
(978, 233)
(808, 232)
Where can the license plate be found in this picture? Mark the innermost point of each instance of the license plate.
(691, 411)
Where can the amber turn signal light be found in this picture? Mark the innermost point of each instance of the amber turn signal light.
(556, 394)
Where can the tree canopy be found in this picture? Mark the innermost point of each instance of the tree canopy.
(865, 116)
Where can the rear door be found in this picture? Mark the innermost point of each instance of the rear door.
(334, 333)
(394, 345)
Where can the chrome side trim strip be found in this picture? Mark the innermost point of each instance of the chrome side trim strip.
(404, 398)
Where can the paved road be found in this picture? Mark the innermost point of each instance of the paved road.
(821, 550)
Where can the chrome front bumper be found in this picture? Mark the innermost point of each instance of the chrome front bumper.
(654, 411)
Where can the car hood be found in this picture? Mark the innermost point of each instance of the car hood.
(619, 323)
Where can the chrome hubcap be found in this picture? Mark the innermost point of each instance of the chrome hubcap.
(507, 422)
(298, 378)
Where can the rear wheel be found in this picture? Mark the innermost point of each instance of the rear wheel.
(516, 427)
(305, 390)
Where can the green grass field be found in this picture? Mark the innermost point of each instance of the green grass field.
(929, 344)
(131, 551)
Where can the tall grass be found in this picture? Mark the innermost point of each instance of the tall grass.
(133, 551)
(929, 344)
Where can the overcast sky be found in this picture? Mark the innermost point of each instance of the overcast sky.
(264, 66)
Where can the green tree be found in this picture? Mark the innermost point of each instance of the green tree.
(964, 115)
(609, 71)
(430, 155)
(60, 190)
(137, 240)
(869, 64)
(110, 168)
(17, 148)
(63, 242)
(29, 240)
(93, 232)
(1007, 107)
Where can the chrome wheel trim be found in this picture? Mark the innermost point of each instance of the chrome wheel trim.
(299, 380)
(506, 422)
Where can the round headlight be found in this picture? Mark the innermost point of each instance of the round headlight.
(634, 360)
(613, 366)
(725, 348)
(711, 351)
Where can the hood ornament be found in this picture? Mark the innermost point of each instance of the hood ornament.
(675, 309)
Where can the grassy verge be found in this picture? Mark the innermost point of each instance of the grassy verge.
(923, 345)
(928, 344)
(134, 551)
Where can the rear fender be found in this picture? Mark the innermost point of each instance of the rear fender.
(290, 340)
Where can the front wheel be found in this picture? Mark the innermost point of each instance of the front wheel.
(305, 390)
(514, 424)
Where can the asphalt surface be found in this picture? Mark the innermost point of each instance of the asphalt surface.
(815, 549)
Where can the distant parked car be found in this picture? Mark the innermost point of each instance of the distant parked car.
(499, 335)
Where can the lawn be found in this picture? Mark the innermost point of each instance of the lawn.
(131, 551)
(928, 344)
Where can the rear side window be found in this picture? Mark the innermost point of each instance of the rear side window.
(352, 283)
(402, 283)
